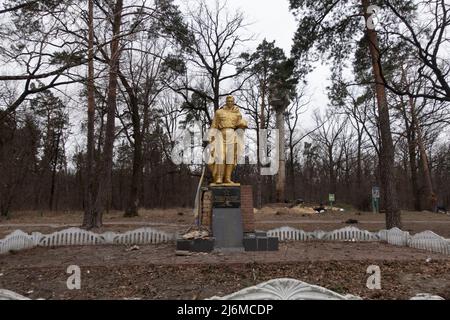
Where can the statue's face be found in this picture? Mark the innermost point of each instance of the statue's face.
(230, 101)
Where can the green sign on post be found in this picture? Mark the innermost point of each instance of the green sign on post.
(332, 199)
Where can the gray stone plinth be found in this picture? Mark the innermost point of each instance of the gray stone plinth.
(227, 228)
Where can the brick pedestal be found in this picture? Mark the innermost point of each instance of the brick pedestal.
(206, 211)
(227, 211)
(248, 216)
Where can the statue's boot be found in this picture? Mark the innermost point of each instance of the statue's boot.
(228, 172)
(218, 179)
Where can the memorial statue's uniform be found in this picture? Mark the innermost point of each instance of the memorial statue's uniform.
(224, 155)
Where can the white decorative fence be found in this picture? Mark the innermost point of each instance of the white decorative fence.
(426, 240)
(430, 241)
(71, 237)
(397, 237)
(344, 234)
(143, 236)
(351, 234)
(19, 240)
(289, 233)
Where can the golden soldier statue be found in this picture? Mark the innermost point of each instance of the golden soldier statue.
(225, 142)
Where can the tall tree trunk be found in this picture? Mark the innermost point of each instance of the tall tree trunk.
(412, 154)
(417, 132)
(359, 187)
(216, 90)
(53, 203)
(292, 168)
(281, 176)
(413, 167)
(133, 200)
(54, 169)
(331, 173)
(393, 215)
(262, 120)
(88, 220)
(431, 197)
(258, 172)
(104, 184)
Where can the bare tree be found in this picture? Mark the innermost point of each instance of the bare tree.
(427, 37)
(328, 137)
(214, 53)
(94, 219)
(295, 137)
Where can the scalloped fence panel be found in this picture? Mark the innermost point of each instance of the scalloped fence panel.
(344, 234)
(397, 237)
(143, 236)
(71, 237)
(350, 234)
(430, 241)
(382, 235)
(18, 240)
(288, 233)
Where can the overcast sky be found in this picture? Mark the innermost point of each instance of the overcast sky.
(271, 19)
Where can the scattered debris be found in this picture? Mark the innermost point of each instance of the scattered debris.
(285, 210)
(133, 248)
(428, 259)
(426, 296)
(320, 209)
(351, 221)
(298, 202)
(442, 209)
(183, 253)
(196, 232)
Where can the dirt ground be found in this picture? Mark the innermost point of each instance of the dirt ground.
(156, 272)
